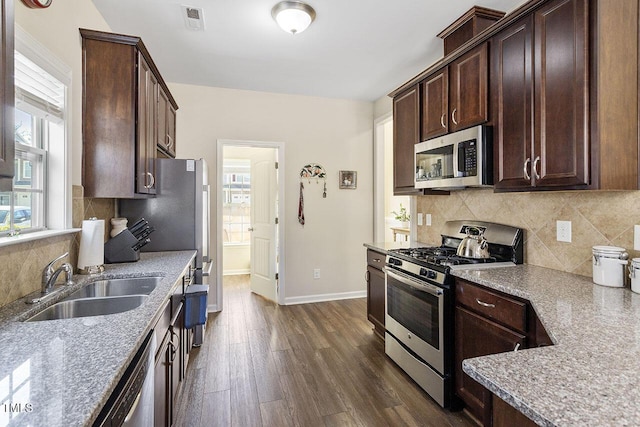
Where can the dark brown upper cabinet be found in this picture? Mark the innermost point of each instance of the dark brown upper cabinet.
(539, 79)
(7, 137)
(406, 134)
(126, 113)
(456, 97)
(435, 104)
(468, 89)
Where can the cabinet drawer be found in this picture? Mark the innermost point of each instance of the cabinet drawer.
(375, 259)
(493, 305)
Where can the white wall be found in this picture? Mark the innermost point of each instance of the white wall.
(56, 28)
(338, 134)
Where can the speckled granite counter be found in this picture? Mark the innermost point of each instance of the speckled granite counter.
(592, 375)
(65, 370)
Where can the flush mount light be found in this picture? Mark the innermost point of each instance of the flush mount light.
(293, 16)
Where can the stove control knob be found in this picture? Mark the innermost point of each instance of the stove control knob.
(429, 274)
(394, 261)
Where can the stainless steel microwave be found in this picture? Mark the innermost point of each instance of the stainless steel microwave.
(457, 160)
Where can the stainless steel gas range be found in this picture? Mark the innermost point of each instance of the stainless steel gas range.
(420, 301)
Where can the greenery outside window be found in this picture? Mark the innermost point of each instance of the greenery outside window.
(236, 202)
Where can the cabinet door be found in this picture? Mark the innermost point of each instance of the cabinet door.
(561, 94)
(7, 137)
(146, 144)
(478, 336)
(468, 89)
(512, 103)
(171, 130)
(435, 105)
(174, 368)
(162, 380)
(406, 134)
(375, 299)
(163, 105)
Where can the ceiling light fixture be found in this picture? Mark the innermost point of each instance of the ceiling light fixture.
(293, 16)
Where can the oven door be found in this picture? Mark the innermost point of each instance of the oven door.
(415, 310)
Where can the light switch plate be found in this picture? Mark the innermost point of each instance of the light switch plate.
(428, 217)
(419, 218)
(563, 231)
(636, 237)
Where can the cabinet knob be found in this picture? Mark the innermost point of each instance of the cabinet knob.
(535, 167)
(453, 116)
(524, 169)
(442, 120)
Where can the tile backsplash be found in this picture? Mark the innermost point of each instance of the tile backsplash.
(597, 217)
(22, 264)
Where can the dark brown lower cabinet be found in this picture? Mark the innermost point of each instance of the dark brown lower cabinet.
(162, 382)
(479, 336)
(376, 291)
(505, 415)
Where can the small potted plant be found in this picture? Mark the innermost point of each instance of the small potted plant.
(402, 216)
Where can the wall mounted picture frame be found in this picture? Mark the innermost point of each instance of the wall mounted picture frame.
(348, 180)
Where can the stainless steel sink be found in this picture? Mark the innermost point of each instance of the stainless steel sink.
(117, 287)
(89, 307)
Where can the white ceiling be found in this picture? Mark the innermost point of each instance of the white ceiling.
(355, 49)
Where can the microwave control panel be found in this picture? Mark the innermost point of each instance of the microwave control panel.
(468, 158)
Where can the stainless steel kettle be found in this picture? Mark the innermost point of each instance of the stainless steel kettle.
(474, 245)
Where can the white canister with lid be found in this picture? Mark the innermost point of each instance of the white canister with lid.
(634, 274)
(609, 265)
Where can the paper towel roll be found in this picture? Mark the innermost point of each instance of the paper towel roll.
(91, 245)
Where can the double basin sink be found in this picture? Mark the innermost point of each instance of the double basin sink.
(109, 296)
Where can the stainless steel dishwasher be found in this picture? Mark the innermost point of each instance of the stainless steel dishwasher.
(132, 402)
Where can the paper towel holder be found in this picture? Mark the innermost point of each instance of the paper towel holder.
(90, 269)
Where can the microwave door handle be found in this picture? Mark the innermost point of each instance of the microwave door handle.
(461, 158)
(424, 287)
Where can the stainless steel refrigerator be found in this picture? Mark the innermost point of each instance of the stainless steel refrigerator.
(179, 213)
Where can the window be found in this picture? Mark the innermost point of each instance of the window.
(39, 198)
(236, 201)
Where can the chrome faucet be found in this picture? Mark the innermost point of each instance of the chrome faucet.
(49, 275)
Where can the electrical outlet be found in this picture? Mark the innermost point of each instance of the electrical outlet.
(428, 217)
(419, 219)
(636, 237)
(563, 231)
(316, 273)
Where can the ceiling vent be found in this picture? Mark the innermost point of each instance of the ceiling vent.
(193, 18)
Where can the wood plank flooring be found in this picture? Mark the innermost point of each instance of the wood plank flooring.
(304, 365)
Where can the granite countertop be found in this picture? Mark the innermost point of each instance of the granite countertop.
(383, 247)
(61, 372)
(591, 376)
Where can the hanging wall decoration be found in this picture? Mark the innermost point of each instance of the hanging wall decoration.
(310, 172)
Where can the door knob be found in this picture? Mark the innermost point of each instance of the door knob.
(250, 229)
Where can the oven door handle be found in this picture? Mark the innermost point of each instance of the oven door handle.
(424, 287)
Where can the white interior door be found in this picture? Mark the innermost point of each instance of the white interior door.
(264, 191)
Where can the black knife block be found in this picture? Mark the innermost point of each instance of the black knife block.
(119, 248)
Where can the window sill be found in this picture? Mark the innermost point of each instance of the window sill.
(29, 237)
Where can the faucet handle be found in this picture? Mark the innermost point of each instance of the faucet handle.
(50, 265)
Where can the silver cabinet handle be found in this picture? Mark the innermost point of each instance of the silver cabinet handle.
(367, 276)
(517, 347)
(153, 180)
(442, 120)
(453, 116)
(524, 169)
(535, 167)
(485, 304)
(377, 260)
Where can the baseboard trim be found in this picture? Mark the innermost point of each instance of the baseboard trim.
(235, 272)
(324, 297)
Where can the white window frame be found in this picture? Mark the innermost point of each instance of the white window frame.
(58, 196)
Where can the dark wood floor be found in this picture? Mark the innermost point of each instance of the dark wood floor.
(304, 365)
